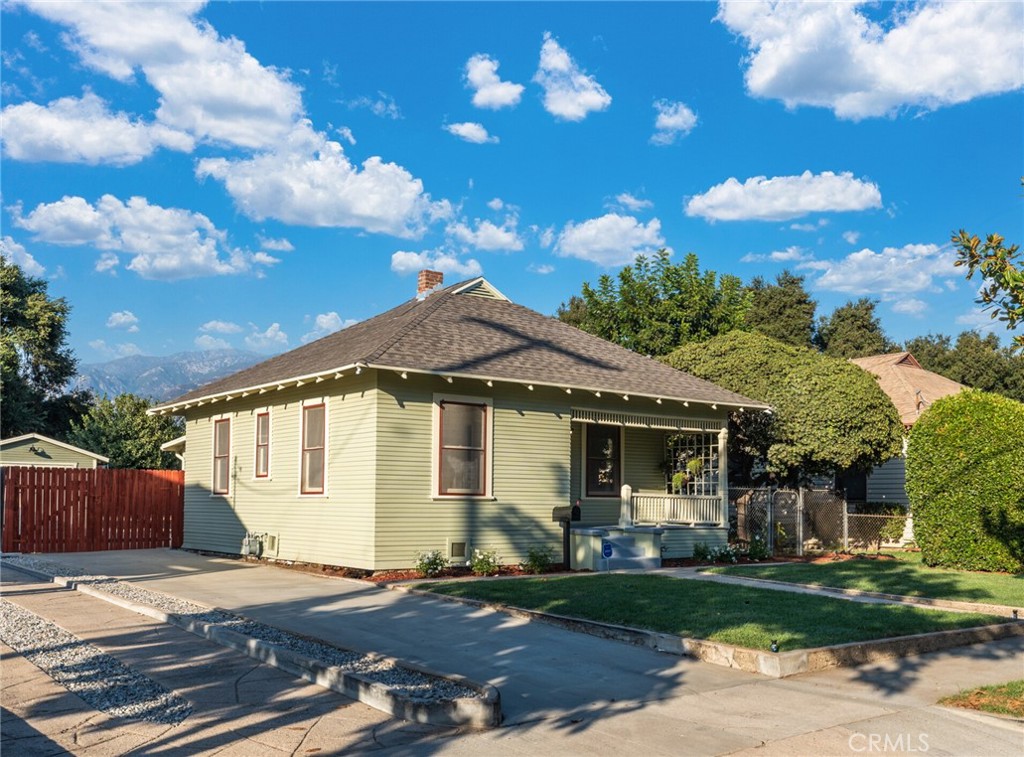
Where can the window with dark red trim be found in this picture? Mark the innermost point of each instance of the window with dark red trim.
(314, 427)
(262, 445)
(221, 456)
(463, 449)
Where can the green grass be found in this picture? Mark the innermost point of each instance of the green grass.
(1004, 699)
(720, 612)
(906, 576)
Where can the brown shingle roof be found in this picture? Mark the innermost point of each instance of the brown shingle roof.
(455, 332)
(910, 387)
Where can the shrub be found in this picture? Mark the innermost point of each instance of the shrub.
(702, 552)
(485, 563)
(725, 553)
(430, 564)
(758, 548)
(965, 479)
(538, 560)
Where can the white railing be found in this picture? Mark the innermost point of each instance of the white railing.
(656, 509)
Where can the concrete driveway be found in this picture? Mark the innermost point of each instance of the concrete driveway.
(578, 693)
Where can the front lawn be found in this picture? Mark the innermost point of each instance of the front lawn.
(1005, 699)
(906, 576)
(730, 614)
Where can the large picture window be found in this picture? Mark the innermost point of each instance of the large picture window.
(604, 453)
(221, 456)
(314, 422)
(692, 464)
(262, 445)
(463, 451)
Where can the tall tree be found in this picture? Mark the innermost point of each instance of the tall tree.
(35, 362)
(121, 430)
(978, 361)
(827, 415)
(783, 310)
(853, 330)
(655, 305)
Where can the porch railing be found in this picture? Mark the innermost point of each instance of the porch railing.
(673, 509)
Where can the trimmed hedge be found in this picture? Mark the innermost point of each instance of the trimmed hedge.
(965, 480)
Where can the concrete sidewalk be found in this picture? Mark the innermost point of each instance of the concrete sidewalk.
(578, 694)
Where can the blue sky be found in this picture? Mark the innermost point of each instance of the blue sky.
(255, 175)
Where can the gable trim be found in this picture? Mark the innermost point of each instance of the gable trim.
(638, 420)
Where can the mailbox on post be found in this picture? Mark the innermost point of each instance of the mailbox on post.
(566, 515)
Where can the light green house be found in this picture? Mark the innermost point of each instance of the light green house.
(455, 421)
(42, 451)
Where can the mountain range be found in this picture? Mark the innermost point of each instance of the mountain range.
(161, 378)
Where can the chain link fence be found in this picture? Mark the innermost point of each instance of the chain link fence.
(792, 521)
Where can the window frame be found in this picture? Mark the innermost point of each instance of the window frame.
(304, 408)
(619, 463)
(260, 414)
(225, 456)
(487, 438)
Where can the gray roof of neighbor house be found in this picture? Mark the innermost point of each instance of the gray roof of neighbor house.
(910, 387)
(472, 330)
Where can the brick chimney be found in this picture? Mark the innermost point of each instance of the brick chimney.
(428, 280)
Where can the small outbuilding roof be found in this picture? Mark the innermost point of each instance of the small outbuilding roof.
(910, 387)
(471, 330)
(15, 440)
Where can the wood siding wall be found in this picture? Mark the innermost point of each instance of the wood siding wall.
(17, 453)
(888, 482)
(334, 528)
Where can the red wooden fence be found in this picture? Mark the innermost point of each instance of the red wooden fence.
(72, 510)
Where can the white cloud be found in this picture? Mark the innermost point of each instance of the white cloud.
(346, 133)
(277, 245)
(784, 197)
(403, 262)
(540, 268)
(852, 237)
(220, 327)
(822, 223)
(13, 252)
(674, 120)
(569, 93)
(489, 90)
(496, 204)
(894, 270)
(831, 55)
(910, 306)
(610, 240)
(107, 263)
(383, 107)
(209, 87)
(271, 340)
(489, 236)
(166, 243)
(326, 323)
(788, 255)
(470, 131)
(123, 319)
(631, 203)
(207, 342)
(125, 349)
(310, 182)
(979, 320)
(83, 130)
(546, 237)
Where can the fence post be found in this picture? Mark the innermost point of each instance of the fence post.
(771, 520)
(800, 521)
(626, 506)
(846, 525)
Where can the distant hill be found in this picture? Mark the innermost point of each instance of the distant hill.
(162, 378)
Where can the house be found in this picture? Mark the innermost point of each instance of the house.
(455, 421)
(912, 389)
(39, 450)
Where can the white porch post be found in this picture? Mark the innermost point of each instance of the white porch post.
(723, 473)
(626, 506)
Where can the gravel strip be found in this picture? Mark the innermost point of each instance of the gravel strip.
(410, 684)
(102, 681)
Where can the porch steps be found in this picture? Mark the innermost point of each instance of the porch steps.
(626, 555)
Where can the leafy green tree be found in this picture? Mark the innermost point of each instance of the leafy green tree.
(121, 430)
(1003, 292)
(977, 361)
(36, 364)
(655, 305)
(783, 310)
(827, 414)
(853, 330)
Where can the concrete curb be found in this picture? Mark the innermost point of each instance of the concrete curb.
(484, 712)
(771, 664)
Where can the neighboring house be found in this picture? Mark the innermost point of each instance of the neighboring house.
(455, 421)
(912, 389)
(39, 450)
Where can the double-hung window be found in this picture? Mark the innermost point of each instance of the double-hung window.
(221, 456)
(604, 454)
(314, 448)
(262, 467)
(462, 449)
